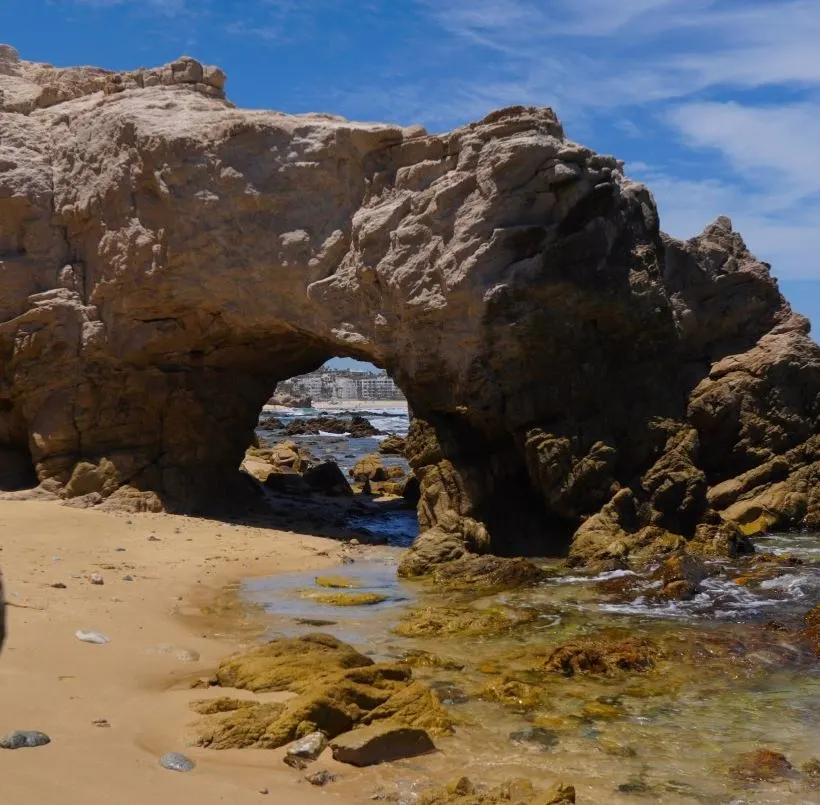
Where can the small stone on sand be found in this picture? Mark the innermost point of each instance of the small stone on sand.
(175, 761)
(21, 739)
(98, 638)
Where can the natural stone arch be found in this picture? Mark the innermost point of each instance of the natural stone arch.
(168, 258)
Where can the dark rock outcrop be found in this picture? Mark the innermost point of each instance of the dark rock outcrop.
(579, 381)
(355, 426)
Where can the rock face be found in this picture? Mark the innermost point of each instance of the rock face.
(166, 259)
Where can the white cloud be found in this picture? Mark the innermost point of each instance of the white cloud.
(772, 147)
(597, 60)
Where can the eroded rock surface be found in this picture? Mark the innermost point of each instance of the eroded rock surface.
(167, 259)
(338, 688)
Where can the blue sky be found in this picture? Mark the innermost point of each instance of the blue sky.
(714, 103)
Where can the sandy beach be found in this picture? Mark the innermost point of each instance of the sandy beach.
(172, 611)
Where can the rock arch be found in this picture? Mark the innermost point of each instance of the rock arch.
(167, 258)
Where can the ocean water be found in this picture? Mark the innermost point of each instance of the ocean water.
(398, 526)
(729, 683)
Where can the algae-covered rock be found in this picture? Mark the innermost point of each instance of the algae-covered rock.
(602, 656)
(681, 576)
(337, 582)
(359, 599)
(380, 743)
(240, 727)
(452, 538)
(445, 621)
(293, 664)
(760, 765)
(462, 791)
(487, 573)
(419, 658)
(513, 692)
(812, 629)
(224, 704)
(601, 711)
(393, 445)
(332, 700)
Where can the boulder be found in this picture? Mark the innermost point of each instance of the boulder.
(338, 689)
(288, 455)
(327, 479)
(138, 346)
(393, 445)
(486, 573)
(380, 743)
(369, 468)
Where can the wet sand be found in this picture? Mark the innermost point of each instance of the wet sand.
(52, 682)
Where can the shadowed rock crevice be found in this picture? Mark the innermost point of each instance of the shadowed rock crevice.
(579, 381)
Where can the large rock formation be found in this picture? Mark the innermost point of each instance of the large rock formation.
(166, 259)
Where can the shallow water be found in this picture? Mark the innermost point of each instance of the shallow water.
(398, 527)
(729, 685)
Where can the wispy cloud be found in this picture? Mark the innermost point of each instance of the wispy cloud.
(731, 85)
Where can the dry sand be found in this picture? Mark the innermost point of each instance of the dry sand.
(52, 682)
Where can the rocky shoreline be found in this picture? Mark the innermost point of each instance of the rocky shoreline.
(679, 409)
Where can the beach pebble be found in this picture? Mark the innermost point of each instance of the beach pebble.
(97, 638)
(174, 761)
(321, 778)
(24, 739)
(101, 722)
(96, 578)
(305, 749)
(58, 585)
(128, 578)
(152, 538)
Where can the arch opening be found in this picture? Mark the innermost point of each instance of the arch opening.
(329, 455)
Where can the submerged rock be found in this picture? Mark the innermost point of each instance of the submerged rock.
(22, 739)
(538, 736)
(380, 743)
(761, 764)
(603, 656)
(462, 791)
(419, 658)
